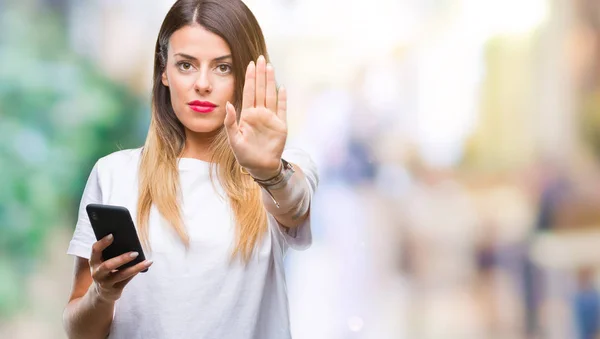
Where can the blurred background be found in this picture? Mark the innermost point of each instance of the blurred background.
(458, 143)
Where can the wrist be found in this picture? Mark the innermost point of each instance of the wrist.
(266, 173)
(96, 296)
(278, 181)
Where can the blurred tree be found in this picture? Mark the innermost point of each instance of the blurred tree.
(58, 115)
(587, 40)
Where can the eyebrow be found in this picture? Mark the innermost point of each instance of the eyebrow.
(187, 56)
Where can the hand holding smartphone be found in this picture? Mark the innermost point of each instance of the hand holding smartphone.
(117, 221)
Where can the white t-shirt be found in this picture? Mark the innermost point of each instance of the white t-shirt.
(195, 294)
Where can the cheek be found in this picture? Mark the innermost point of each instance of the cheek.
(179, 88)
(179, 84)
(227, 89)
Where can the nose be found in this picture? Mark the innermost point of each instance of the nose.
(203, 83)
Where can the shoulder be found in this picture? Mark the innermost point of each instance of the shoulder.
(119, 160)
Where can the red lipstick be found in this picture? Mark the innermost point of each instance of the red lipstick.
(202, 106)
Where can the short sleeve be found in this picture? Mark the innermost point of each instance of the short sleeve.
(83, 236)
(300, 237)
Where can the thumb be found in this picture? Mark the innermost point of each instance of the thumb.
(230, 119)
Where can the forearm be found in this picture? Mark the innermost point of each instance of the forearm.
(293, 198)
(88, 316)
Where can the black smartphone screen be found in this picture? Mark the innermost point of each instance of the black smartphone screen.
(116, 220)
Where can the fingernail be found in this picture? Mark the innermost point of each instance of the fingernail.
(252, 63)
(149, 262)
(109, 237)
(261, 57)
(134, 254)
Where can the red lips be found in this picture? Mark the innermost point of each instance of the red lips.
(202, 106)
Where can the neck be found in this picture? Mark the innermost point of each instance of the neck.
(197, 145)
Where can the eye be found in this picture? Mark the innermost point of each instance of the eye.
(184, 66)
(224, 68)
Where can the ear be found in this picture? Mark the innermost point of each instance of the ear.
(164, 79)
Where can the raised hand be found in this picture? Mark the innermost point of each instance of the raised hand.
(258, 137)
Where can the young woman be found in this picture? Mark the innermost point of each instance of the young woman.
(216, 199)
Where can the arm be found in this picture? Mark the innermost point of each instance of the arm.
(258, 139)
(96, 287)
(86, 315)
(293, 199)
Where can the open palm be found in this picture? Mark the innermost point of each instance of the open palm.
(258, 137)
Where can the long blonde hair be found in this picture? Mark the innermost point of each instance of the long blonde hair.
(159, 175)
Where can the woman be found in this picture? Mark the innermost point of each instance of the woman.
(216, 205)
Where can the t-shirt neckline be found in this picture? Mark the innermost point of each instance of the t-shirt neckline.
(192, 163)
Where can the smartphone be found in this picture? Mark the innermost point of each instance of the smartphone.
(116, 220)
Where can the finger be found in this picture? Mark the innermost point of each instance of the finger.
(271, 99)
(129, 272)
(282, 104)
(230, 119)
(249, 83)
(261, 80)
(105, 269)
(97, 248)
(116, 262)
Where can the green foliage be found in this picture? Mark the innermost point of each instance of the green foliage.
(58, 115)
(590, 121)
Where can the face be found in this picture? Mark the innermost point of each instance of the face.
(200, 78)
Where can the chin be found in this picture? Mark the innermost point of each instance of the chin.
(202, 124)
(203, 128)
